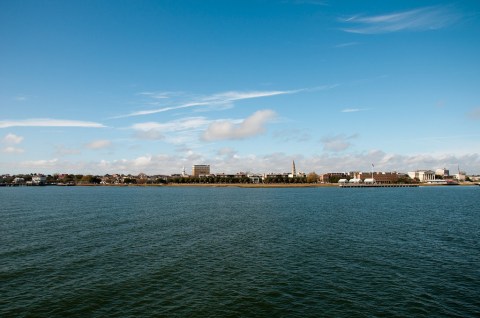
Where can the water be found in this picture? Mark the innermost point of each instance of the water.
(231, 252)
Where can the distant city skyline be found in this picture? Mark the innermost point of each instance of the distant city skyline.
(154, 86)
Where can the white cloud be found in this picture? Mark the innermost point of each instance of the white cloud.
(421, 19)
(99, 144)
(351, 110)
(234, 95)
(47, 122)
(337, 143)
(347, 44)
(176, 125)
(219, 100)
(176, 131)
(13, 150)
(221, 161)
(12, 139)
(234, 129)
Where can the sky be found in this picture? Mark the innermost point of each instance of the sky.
(245, 86)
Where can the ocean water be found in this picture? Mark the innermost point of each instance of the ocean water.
(235, 252)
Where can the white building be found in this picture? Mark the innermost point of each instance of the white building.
(422, 175)
(369, 180)
(19, 180)
(442, 172)
(460, 176)
(39, 180)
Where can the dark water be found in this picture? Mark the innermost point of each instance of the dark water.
(232, 252)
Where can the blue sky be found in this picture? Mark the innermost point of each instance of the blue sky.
(152, 86)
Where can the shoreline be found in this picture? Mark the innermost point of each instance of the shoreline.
(261, 185)
(248, 185)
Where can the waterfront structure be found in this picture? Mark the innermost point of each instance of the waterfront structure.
(19, 181)
(442, 172)
(460, 176)
(39, 180)
(422, 175)
(332, 176)
(200, 170)
(379, 177)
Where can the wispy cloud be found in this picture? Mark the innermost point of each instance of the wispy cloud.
(421, 19)
(292, 135)
(337, 143)
(20, 98)
(99, 144)
(47, 122)
(176, 131)
(312, 2)
(474, 114)
(61, 150)
(12, 150)
(12, 139)
(157, 95)
(250, 126)
(218, 100)
(342, 45)
(353, 110)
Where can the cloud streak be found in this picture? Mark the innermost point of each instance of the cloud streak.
(353, 110)
(13, 150)
(47, 122)
(220, 100)
(421, 19)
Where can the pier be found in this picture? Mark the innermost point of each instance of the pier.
(378, 185)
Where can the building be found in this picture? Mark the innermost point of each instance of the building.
(200, 170)
(379, 177)
(19, 181)
(39, 180)
(332, 177)
(442, 172)
(294, 170)
(461, 176)
(422, 175)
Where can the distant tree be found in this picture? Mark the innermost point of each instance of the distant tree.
(312, 177)
(130, 181)
(335, 179)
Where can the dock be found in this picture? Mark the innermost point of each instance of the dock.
(377, 185)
